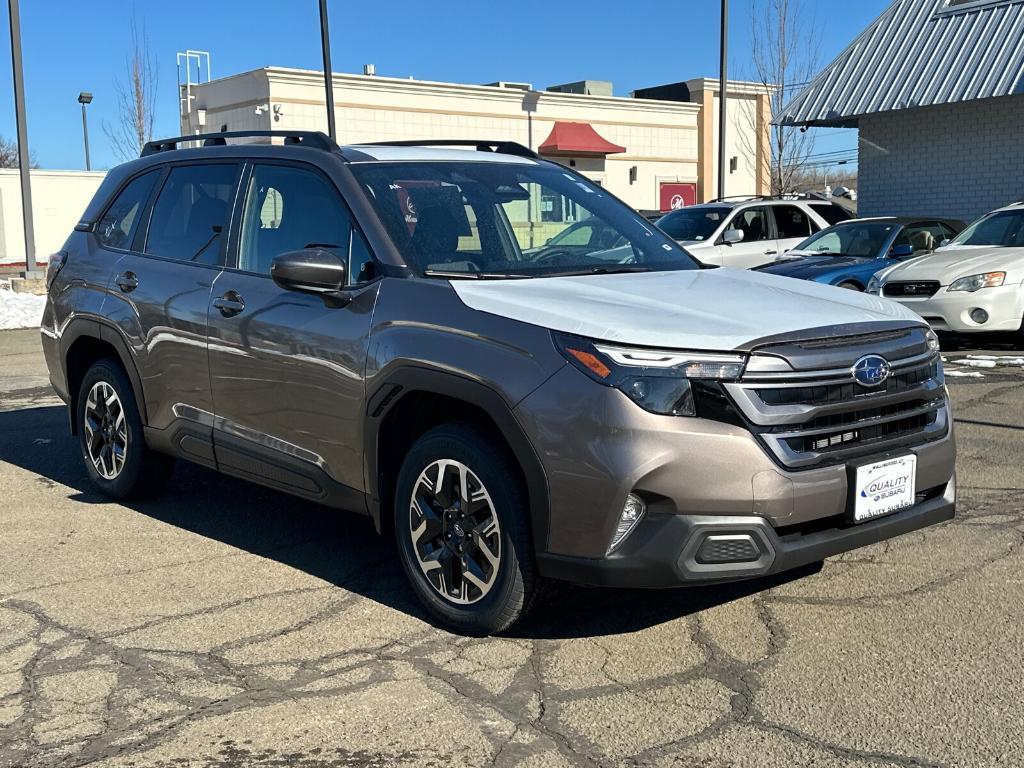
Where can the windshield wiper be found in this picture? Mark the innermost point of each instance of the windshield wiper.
(471, 275)
(612, 270)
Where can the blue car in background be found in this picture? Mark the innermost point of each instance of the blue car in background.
(848, 254)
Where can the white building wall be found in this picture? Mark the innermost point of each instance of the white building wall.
(58, 200)
(661, 137)
(955, 160)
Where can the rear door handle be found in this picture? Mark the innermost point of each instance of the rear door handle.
(230, 304)
(127, 282)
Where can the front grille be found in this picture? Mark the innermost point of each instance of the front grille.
(917, 289)
(842, 393)
(811, 418)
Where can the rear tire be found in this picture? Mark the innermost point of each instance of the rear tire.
(113, 445)
(462, 529)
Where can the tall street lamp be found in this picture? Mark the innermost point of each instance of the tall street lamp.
(325, 44)
(85, 98)
(722, 95)
(22, 132)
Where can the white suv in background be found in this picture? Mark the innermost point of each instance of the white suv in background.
(973, 284)
(749, 232)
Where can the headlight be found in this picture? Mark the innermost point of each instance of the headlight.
(656, 380)
(933, 341)
(977, 282)
(874, 286)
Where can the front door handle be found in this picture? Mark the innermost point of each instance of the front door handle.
(230, 304)
(770, 253)
(127, 282)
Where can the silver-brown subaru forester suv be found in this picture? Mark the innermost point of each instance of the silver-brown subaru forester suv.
(511, 372)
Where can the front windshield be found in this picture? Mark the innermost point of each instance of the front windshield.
(1003, 228)
(864, 239)
(496, 219)
(693, 224)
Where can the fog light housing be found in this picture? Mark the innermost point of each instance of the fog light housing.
(632, 512)
(979, 315)
(718, 549)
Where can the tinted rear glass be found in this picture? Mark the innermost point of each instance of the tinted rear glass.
(190, 215)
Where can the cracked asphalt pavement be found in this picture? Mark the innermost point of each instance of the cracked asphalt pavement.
(227, 625)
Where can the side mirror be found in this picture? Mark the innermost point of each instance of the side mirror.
(312, 270)
(902, 251)
(945, 242)
(733, 236)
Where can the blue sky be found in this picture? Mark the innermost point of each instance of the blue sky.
(71, 46)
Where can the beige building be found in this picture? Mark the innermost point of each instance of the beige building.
(654, 153)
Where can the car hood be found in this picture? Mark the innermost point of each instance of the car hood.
(810, 266)
(712, 309)
(949, 264)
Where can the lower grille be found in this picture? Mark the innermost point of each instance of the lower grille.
(811, 418)
(918, 289)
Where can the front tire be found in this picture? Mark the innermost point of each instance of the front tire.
(850, 286)
(114, 449)
(462, 529)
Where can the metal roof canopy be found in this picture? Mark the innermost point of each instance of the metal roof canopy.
(918, 53)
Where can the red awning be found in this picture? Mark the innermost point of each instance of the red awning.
(577, 139)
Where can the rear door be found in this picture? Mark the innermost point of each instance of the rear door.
(758, 245)
(793, 225)
(162, 289)
(287, 370)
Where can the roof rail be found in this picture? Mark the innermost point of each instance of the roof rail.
(313, 139)
(500, 147)
(783, 196)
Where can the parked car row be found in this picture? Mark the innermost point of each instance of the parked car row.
(958, 279)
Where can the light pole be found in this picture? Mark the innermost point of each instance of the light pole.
(85, 98)
(722, 95)
(22, 131)
(325, 43)
(827, 190)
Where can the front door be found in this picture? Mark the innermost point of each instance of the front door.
(286, 369)
(758, 245)
(161, 289)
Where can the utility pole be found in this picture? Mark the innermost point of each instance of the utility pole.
(722, 97)
(325, 43)
(22, 131)
(85, 98)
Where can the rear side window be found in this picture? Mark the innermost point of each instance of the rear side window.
(116, 228)
(190, 216)
(791, 222)
(833, 214)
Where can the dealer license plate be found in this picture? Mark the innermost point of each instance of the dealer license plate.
(884, 487)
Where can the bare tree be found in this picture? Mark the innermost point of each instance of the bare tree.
(136, 99)
(9, 156)
(785, 53)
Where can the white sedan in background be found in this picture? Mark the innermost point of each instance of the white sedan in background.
(973, 284)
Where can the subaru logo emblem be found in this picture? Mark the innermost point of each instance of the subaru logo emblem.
(871, 370)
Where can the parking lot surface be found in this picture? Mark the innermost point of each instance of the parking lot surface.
(227, 625)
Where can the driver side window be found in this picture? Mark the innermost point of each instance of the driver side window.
(753, 222)
(288, 209)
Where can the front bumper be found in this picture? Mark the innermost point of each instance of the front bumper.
(947, 311)
(664, 552)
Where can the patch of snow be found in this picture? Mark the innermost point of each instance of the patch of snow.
(978, 363)
(965, 374)
(20, 310)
